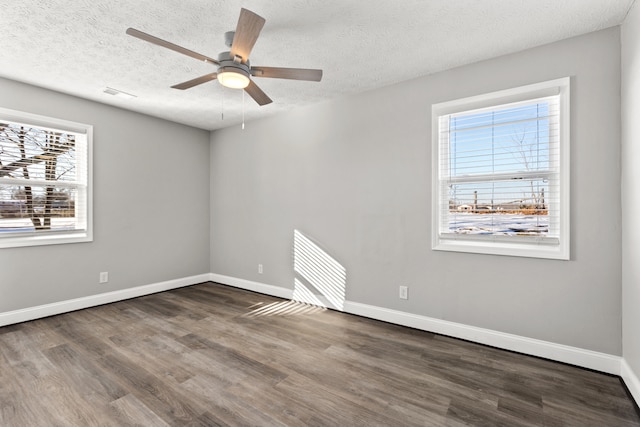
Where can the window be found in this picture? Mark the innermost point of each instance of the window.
(45, 180)
(501, 172)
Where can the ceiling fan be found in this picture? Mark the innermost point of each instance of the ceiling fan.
(234, 70)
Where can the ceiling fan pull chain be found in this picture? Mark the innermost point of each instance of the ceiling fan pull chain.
(243, 110)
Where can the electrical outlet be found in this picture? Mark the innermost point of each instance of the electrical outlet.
(260, 268)
(404, 292)
(104, 277)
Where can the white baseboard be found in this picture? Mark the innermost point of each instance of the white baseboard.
(37, 312)
(631, 381)
(562, 353)
(249, 285)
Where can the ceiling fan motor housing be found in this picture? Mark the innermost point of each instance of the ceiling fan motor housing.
(228, 63)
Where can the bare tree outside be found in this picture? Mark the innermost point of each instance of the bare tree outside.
(34, 165)
(527, 150)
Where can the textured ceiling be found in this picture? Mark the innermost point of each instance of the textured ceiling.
(80, 47)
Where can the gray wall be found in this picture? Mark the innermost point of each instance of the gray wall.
(631, 189)
(151, 206)
(354, 175)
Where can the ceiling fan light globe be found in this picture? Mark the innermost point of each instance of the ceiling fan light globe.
(233, 79)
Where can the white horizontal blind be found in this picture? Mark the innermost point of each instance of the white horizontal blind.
(43, 180)
(499, 172)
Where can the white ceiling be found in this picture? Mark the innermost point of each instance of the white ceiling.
(80, 47)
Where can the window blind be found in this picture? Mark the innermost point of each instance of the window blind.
(43, 180)
(499, 171)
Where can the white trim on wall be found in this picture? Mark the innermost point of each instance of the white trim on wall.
(274, 291)
(37, 312)
(561, 353)
(556, 95)
(631, 380)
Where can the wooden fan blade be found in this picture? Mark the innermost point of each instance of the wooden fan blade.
(257, 94)
(195, 82)
(155, 40)
(288, 73)
(247, 32)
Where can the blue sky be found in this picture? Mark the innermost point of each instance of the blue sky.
(510, 141)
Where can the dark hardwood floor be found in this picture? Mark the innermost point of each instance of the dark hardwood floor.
(210, 355)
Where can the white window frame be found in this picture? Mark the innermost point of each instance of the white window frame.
(524, 246)
(84, 135)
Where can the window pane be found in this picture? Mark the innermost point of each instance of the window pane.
(508, 140)
(500, 170)
(504, 208)
(30, 209)
(38, 154)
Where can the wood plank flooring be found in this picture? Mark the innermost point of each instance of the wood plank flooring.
(210, 355)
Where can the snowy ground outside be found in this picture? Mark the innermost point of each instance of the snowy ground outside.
(506, 224)
(24, 224)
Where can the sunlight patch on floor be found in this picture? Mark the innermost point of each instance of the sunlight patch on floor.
(284, 308)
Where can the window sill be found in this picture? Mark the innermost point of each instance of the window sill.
(45, 239)
(490, 245)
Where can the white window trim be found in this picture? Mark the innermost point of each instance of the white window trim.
(57, 237)
(530, 246)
